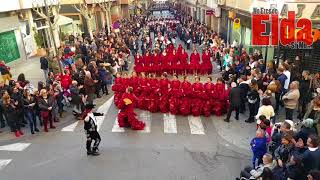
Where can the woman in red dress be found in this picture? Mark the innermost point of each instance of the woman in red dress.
(173, 59)
(164, 62)
(209, 93)
(206, 66)
(144, 92)
(154, 94)
(147, 62)
(194, 62)
(179, 50)
(175, 94)
(156, 62)
(185, 101)
(197, 100)
(134, 83)
(138, 63)
(164, 93)
(218, 103)
(126, 116)
(183, 59)
(118, 89)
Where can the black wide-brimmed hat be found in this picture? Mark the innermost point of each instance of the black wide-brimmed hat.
(90, 106)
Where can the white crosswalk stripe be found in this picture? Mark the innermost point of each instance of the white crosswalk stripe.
(169, 123)
(196, 126)
(15, 147)
(116, 127)
(71, 127)
(103, 109)
(145, 116)
(4, 163)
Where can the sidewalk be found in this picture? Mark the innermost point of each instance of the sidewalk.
(30, 68)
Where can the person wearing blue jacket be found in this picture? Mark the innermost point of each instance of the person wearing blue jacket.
(258, 147)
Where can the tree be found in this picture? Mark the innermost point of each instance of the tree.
(87, 12)
(106, 5)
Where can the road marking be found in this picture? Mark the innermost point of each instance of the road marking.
(145, 116)
(170, 123)
(4, 163)
(116, 127)
(195, 124)
(71, 127)
(103, 109)
(15, 147)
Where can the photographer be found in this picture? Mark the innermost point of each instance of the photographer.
(279, 130)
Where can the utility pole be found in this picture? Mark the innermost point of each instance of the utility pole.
(55, 53)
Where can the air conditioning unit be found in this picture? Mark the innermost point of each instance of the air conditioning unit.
(221, 2)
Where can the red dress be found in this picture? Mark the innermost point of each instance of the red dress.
(173, 60)
(219, 102)
(206, 66)
(194, 63)
(155, 64)
(197, 101)
(138, 64)
(183, 58)
(175, 94)
(154, 96)
(118, 89)
(185, 101)
(126, 116)
(164, 63)
(164, 97)
(66, 81)
(144, 89)
(208, 100)
(146, 63)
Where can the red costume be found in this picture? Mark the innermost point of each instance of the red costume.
(138, 64)
(164, 62)
(147, 63)
(66, 81)
(154, 96)
(127, 117)
(194, 63)
(144, 90)
(208, 103)
(198, 94)
(206, 66)
(173, 61)
(118, 88)
(164, 98)
(219, 103)
(185, 101)
(175, 93)
(183, 58)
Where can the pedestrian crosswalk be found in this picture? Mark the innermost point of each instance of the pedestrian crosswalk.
(15, 147)
(168, 122)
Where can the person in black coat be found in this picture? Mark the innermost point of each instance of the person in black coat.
(253, 101)
(311, 157)
(44, 65)
(244, 86)
(235, 101)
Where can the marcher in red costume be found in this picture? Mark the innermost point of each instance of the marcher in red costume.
(164, 61)
(138, 63)
(156, 62)
(179, 50)
(175, 94)
(66, 80)
(173, 59)
(206, 66)
(118, 89)
(183, 59)
(219, 100)
(197, 100)
(185, 101)
(164, 94)
(127, 117)
(147, 62)
(209, 94)
(194, 62)
(144, 90)
(154, 94)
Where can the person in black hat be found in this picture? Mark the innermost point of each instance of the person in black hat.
(91, 129)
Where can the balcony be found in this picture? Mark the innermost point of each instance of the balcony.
(124, 1)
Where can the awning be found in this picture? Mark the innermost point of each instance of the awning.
(63, 20)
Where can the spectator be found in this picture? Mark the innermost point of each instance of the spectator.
(283, 152)
(44, 65)
(235, 101)
(5, 72)
(311, 157)
(291, 99)
(29, 103)
(45, 105)
(21, 80)
(253, 101)
(313, 112)
(307, 129)
(258, 147)
(305, 93)
(251, 173)
(89, 87)
(314, 175)
(266, 109)
(294, 169)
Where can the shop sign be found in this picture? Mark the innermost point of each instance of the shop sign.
(286, 31)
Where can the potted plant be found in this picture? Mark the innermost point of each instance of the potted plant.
(39, 41)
